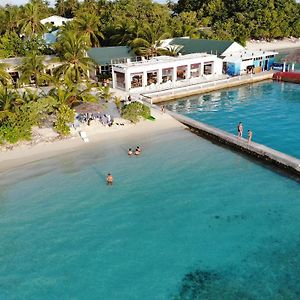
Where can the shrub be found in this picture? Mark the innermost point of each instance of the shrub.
(134, 111)
(64, 116)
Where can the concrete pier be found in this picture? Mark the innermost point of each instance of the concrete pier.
(260, 152)
(205, 87)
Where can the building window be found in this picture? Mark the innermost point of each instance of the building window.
(136, 80)
(120, 80)
(208, 68)
(195, 70)
(151, 77)
(181, 72)
(105, 69)
(167, 74)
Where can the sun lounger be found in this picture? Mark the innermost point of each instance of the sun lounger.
(84, 137)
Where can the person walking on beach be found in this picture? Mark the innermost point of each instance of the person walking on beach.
(240, 130)
(109, 179)
(163, 109)
(249, 136)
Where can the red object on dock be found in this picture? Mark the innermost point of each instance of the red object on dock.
(287, 76)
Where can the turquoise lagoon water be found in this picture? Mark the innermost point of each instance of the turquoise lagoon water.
(270, 109)
(185, 220)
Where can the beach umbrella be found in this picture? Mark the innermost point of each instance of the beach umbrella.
(88, 107)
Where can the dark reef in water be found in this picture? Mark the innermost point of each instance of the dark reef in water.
(194, 283)
(270, 272)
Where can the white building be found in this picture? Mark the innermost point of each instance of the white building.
(55, 21)
(165, 71)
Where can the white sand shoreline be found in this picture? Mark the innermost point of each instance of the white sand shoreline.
(287, 43)
(24, 154)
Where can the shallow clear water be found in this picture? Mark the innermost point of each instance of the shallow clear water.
(185, 220)
(270, 109)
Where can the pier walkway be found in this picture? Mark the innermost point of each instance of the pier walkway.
(260, 152)
(189, 89)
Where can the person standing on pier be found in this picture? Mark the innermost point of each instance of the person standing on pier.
(240, 130)
(249, 136)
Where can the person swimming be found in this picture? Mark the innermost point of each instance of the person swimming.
(109, 179)
(130, 152)
(137, 151)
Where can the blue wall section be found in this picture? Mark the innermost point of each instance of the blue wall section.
(233, 68)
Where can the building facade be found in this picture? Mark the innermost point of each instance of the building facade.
(163, 71)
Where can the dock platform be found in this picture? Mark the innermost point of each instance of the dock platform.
(205, 87)
(260, 152)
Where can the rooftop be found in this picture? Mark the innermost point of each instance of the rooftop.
(106, 55)
(199, 45)
(56, 20)
(160, 59)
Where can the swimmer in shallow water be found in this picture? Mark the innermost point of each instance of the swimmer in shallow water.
(137, 151)
(130, 152)
(109, 179)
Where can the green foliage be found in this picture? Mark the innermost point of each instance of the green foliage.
(32, 68)
(105, 92)
(118, 102)
(64, 116)
(135, 111)
(72, 48)
(240, 20)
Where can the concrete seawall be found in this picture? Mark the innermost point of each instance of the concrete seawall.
(205, 87)
(260, 152)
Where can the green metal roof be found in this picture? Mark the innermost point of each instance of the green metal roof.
(197, 45)
(104, 56)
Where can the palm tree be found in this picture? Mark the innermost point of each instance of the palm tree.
(75, 64)
(5, 78)
(149, 40)
(70, 96)
(125, 32)
(187, 30)
(89, 24)
(9, 100)
(30, 24)
(173, 50)
(32, 68)
(11, 19)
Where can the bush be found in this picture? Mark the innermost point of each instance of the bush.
(16, 127)
(64, 116)
(134, 111)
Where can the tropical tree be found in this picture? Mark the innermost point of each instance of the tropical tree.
(124, 32)
(75, 64)
(88, 24)
(10, 19)
(149, 40)
(30, 23)
(9, 99)
(66, 8)
(32, 68)
(5, 78)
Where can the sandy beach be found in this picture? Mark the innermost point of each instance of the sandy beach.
(25, 154)
(286, 43)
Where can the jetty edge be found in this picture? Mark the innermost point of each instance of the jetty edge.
(260, 152)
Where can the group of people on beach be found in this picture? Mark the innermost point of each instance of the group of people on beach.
(109, 177)
(240, 132)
